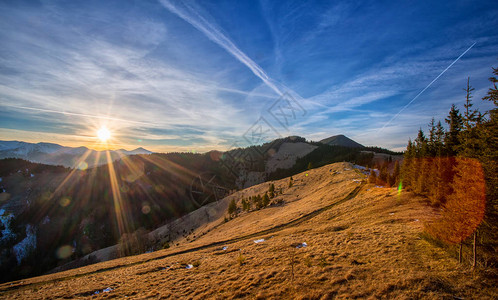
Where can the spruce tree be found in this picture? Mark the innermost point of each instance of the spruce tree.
(408, 165)
(489, 159)
(469, 115)
(455, 122)
(266, 200)
(271, 191)
(373, 177)
(232, 208)
(396, 173)
(259, 202)
(421, 165)
(431, 142)
(470, 143)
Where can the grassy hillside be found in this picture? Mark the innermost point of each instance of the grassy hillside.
(361, 242)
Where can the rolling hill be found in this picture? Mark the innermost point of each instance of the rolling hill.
(328, 236)
(51, 207)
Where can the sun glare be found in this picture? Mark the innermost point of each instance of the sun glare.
(103, 134)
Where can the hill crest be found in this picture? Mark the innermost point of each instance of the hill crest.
(341, 140)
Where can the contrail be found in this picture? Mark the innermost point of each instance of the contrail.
(389, 122)
(78, 114)
(215, 35)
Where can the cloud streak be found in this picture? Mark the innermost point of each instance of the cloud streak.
(422, 91)
(190, 15)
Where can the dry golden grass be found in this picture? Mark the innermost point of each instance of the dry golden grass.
(368, 246)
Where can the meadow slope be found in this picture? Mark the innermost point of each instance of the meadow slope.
(361, 241)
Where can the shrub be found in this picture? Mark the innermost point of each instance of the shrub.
(133, 243)
(232, 208)
(241, 259)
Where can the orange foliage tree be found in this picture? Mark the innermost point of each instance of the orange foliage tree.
(465, 207)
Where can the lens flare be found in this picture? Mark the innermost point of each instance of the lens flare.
(145, 209)
(83, 166)
(64, 251)
(64, 201)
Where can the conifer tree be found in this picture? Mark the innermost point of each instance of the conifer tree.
(489, 158)
(396, 173)
(271, 191)
(408, 165)
(373, 177)
(390, 180)
(439, 142)
(469, 115)
(469, 137)
(259, 202)
(455, 122)
(246, 205)
(232, 208)
(465, 207)
(421, 166)
(266, 200)
(383, 176)
(431, 142)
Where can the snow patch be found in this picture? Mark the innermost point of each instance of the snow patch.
(106, 290)
(302, 245)
(27, 245)
(259, 241)
(189, 266)
(362, 169)
(6, 219)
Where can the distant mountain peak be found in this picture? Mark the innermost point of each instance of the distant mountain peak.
(141, 150)
(341, 140)
(54, 154)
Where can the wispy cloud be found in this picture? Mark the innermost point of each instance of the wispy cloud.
(197, 75)
(187, 12)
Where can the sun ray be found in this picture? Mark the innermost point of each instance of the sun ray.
(120, 207)
(43, 212)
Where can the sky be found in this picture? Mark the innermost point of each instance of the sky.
(204, 75)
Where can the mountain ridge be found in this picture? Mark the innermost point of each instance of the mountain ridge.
(55, 154)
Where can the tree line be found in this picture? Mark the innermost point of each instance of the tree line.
(455, 168)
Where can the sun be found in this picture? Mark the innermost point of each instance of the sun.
(103, 134)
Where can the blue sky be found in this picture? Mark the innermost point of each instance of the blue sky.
(195, 76)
